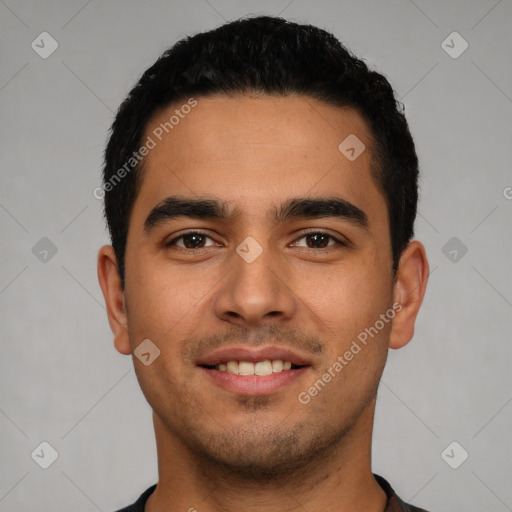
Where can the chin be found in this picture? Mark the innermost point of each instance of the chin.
(261, 452)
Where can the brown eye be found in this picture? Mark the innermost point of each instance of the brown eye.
(319, 240)
(192, 240)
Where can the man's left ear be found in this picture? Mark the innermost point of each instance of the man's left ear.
(409, 290)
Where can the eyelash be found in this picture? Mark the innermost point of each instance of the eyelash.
(191, 233)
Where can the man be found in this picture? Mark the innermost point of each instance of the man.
(260, 190)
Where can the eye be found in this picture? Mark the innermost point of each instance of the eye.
(314, 240)
(320, 240)
(191, 240)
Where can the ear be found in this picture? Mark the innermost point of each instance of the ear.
(110, 283)
(409, 290)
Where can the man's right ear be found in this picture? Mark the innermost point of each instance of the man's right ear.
(110, 283)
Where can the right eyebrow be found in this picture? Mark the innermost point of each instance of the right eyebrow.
(174, 206)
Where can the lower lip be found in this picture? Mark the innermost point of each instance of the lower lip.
(254, 384)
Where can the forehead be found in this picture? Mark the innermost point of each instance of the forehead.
(254, 152)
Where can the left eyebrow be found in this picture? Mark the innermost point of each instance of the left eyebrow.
(300, 207)
(314, 208)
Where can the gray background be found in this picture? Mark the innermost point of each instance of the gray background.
(62, 380)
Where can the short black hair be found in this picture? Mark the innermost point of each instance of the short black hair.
(274, 56)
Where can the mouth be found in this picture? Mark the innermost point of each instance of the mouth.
(253, 372)
(248, 368)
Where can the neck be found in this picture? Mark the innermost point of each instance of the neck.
(340, 480)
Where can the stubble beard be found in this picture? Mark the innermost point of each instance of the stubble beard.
(266, 454)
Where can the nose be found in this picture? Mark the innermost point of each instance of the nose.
(256, 289)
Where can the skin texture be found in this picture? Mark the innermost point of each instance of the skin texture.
(217, 449)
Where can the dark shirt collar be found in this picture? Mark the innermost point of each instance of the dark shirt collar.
(393, 503)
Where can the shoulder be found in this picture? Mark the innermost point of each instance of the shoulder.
(394, 503)
(138, 506)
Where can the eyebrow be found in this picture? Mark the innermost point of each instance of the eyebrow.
(173, 207)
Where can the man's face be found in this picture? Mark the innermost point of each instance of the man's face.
(205, 298)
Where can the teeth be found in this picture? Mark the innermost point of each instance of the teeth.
(263, 368)
(232, 367)
(260, 368)
(277, 366)
(245, 368)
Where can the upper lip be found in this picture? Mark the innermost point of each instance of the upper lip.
(254, 355)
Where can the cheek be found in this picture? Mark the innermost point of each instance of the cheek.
(349, 298)
(160, 300)
(348, 314)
